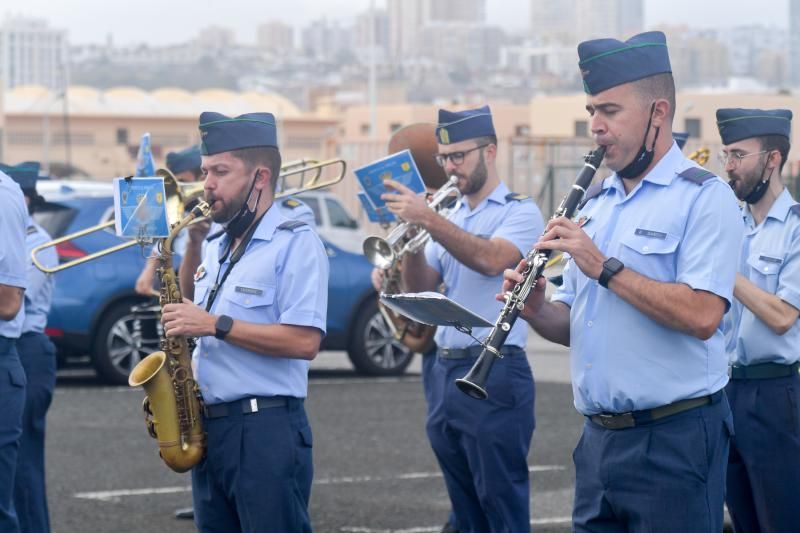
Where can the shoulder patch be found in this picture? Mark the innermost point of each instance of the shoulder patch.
(290, 203)
(697, 175)
(292, 225)
(215, 235)
(516, 197)
(795, 209)
(31, 230)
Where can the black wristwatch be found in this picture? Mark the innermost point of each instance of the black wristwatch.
(611, 267)
(223, 326)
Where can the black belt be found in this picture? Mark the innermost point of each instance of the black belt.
(764, 371)
(639, 418)
(472, 352)
(245, 405)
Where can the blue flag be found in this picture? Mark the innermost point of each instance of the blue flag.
(145, 166)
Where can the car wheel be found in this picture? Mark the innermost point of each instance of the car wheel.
(373, 349)
(124, 337)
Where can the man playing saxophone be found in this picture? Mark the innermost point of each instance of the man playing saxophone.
(482, 447)
(260, 301)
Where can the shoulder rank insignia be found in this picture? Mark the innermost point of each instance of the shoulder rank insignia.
(291, 224)
(291, 203)
(31, 230)
(795, 209)
(697, 175)
(200, 273)
(516, 197)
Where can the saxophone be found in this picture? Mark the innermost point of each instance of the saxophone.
(173, 405)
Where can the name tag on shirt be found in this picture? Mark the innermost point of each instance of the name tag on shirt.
(769, 259)
(248, 290)
(650, 233)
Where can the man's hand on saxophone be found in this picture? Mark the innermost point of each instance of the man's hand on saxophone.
(187, 319)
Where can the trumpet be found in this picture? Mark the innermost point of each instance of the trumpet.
(474, 383)
(384, 253)
(181, 196)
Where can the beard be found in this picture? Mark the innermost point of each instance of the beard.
(227, 210)
(476, 180)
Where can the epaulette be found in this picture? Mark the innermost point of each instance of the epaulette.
(32, 229)
(593, 191)
(291, 203)
(697, 175)
(795, 209)
(215, 236)
(292, 225)
(516, 197)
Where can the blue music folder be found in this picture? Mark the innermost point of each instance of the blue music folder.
(381, 215)
(140, 208)
(399, 167)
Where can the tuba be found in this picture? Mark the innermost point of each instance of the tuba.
(420, 139)
(173, 405)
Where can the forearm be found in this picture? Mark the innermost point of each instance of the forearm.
(551, 322)
(417, 275)
(10, 301)
(673, 305)
(294, 342)
(191, 260)
(481, 255)
(778, 315)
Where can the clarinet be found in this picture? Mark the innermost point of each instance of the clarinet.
(474, 383)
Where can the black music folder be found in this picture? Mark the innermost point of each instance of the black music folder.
(434, 309)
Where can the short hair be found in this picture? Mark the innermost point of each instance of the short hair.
(486, 139)
(267, 156)
(776, 142)
(659, 86)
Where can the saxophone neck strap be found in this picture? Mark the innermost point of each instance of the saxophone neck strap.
(235, 257)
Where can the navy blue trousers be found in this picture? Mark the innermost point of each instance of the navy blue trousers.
(38, 356)
(256, 476)
(482, 445)
(764, 464)
(12, 403)
(665, 476)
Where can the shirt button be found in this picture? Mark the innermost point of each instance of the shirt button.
(247, 301)
(590, 323)
(588, 365)
(646, 248)
(766, 269)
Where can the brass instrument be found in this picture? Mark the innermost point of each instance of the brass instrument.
(180, 194)
(700, 156)
(173, 405)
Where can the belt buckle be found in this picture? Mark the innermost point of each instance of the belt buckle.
(617, 421)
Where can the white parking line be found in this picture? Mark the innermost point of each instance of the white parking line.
(116, 495)
(435, 529)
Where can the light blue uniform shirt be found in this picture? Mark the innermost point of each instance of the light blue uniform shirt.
(282, 278)
(669, 229)
(497, 216)
(39, 295)
(770, 259)
(13, 257)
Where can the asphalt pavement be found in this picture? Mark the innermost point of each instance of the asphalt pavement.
(374, 469)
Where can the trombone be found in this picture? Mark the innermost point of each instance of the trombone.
(180, 194)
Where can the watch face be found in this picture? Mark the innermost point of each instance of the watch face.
(614, 265)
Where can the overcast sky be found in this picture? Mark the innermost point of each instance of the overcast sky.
(169, 21)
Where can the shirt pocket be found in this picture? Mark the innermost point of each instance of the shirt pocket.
(201, 293)
(251, 301)
(651, 252)
(764, 270)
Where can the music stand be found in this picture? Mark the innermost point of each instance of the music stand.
(434, 309)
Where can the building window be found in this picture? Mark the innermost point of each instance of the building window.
(581, 128)
(693, 127)
(365, 129)
(522, 130)
(394, 126)
(122, 136)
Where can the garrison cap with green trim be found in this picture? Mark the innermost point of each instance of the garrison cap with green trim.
(25, 174)
(606, 63)
(186, 160)
(736, 124)
(220, 133)
(457, 126)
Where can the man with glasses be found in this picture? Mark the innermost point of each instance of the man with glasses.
(764, 333)
(650, 276)
(481, 446)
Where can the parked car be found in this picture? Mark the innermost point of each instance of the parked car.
(92, 303)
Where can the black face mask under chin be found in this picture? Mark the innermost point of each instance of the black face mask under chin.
(239, 223)
(760, 188)
(643, 159)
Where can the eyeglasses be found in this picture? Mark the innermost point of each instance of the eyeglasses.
(456, 157)
(734, 159)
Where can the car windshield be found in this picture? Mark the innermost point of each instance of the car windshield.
(54, 218)
(337, 214)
